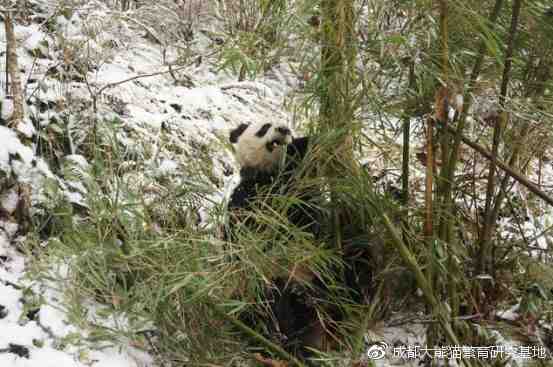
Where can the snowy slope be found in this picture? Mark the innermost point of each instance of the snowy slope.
(37, 337)
(152, 112)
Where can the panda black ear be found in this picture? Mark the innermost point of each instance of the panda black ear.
(235, 134)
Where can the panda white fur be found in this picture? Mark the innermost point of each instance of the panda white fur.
(260, 146)
(269, 157)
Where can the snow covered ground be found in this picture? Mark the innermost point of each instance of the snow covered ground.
(42, 333)
(40, 336)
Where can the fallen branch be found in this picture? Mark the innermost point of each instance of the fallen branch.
(115, 84)
(508, 170)
(169, 71)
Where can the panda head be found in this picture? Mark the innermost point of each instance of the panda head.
(260, 146)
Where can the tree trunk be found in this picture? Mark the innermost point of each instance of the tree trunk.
(22, 213)
(13, 70)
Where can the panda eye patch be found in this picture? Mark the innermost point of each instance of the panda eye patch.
(284, 130)
(235, 134)
(264, 129)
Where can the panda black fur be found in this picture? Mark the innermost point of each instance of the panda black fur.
(270, 158)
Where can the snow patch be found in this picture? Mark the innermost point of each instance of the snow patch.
(9, 201)
(54, 320)
(166, 167)
(7, 109)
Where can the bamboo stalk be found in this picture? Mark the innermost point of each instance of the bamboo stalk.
(447, 173)
(483, 257)
(423, 283)
(428, 222)
(338, 55)
(444, 39)
(506, 178)
(405, 159)
(442, 107)
(428, 207)
(406, 141)
(467, 97)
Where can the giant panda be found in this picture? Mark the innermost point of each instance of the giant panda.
(270, 158)
(271, 161)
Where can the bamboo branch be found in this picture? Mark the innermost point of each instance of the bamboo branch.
(508, 170)
(505, 181)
